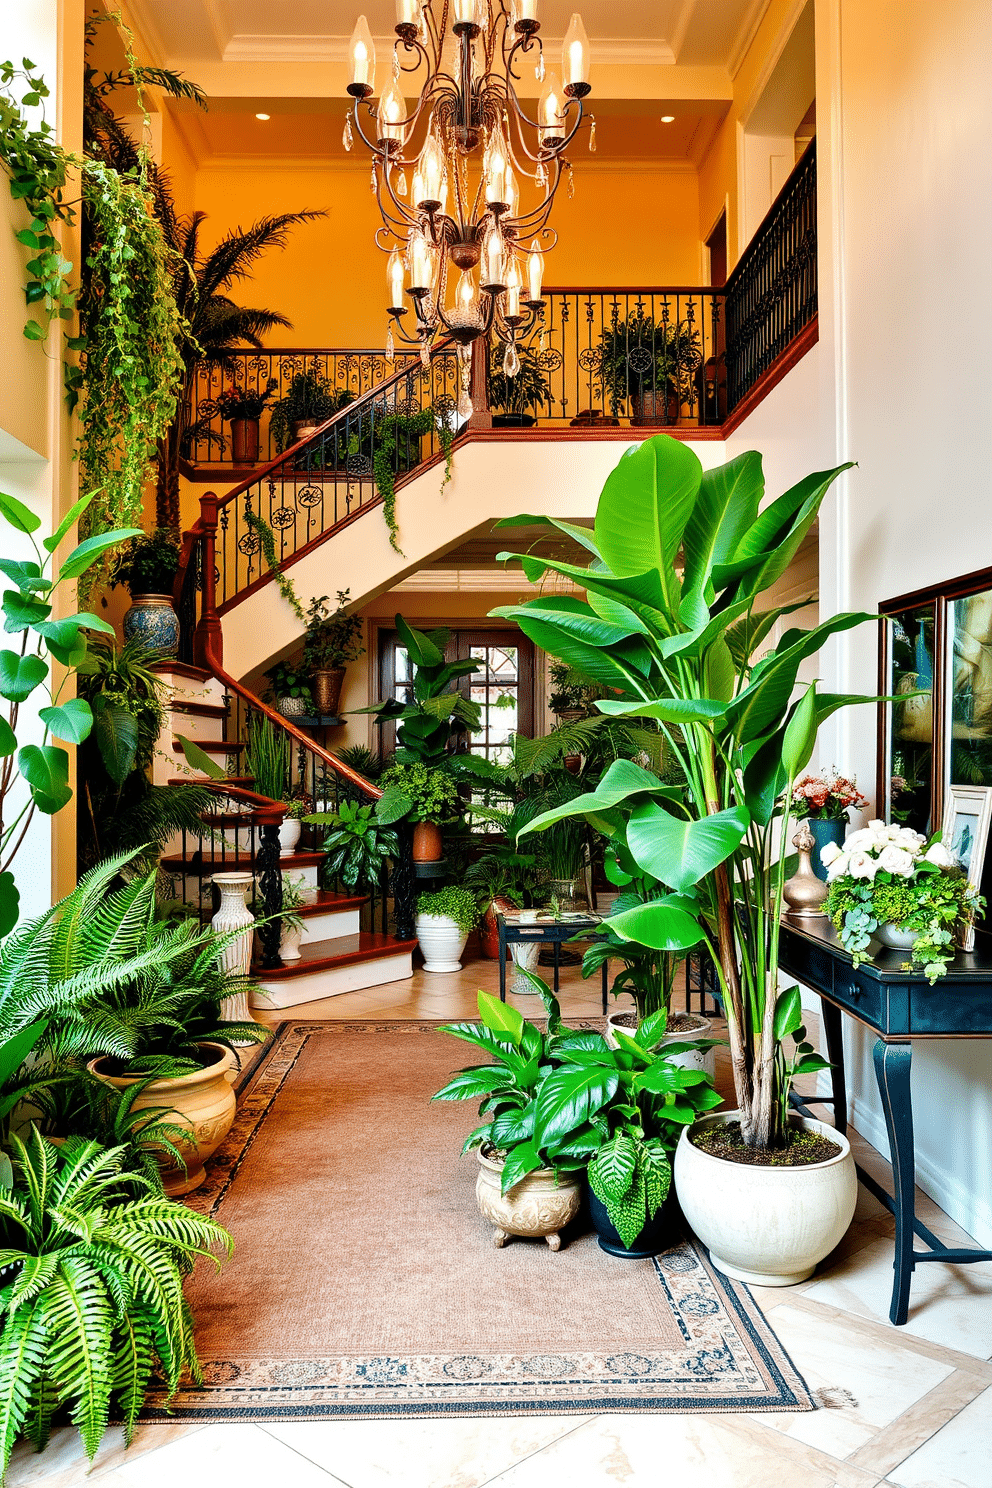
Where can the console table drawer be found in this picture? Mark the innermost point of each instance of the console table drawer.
(864, 998)
(967, 1010)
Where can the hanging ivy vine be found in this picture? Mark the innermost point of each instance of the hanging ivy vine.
(267, 541)
(388, 431)
(129, 369)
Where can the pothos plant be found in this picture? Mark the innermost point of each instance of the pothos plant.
(396, 438)
(129, 367)
(29, 615)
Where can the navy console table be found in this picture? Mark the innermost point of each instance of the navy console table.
(546, 931)
(899, 1007)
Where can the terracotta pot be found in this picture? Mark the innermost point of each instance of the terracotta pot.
(326, 688)
(539, 1206)
(488, 928)
(244, 441)
(766, 1225)
(655, 406)
(428, 844)
(203, 1102)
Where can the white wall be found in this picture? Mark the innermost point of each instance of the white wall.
(898, 384)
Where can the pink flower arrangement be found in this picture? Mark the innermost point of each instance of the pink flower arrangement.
(826, 797)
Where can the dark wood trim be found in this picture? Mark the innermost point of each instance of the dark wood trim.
(201, 710)
(316, 957)
(959, 588)
(769, 379)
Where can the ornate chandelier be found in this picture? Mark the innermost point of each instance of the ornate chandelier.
(466, 178)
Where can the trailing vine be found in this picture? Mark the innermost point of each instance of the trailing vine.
(387, 430)
(267, 541)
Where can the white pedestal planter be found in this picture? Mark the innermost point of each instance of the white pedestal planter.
(289, 835)
(289, 945)
(526, 955)
(234, 914)
(695, 1059)
(766, 1225)
(441, 941)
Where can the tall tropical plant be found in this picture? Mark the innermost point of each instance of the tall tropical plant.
(679, 559)
(92, 1301)
(438, 713)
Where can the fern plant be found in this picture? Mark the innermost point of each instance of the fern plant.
(92, 1300)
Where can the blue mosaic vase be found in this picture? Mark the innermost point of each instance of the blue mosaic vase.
(152, 619)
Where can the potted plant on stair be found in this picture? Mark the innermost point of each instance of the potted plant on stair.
(443, 920)
(330, 641)
(424, 796)
(650, 366)
(357, 848)
(310, 402)
(242, 407)
(682, 557)
(147, 566)
(289, 689)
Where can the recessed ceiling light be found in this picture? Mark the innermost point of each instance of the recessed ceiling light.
(668, 118)
(263, 116)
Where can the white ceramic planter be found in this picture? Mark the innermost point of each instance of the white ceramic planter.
(525, 955)
(766, 1225)
(694, 1059)
(289, 835)
(539, 1206)
(441, 942)
(896, 938)
(289, 945)
(234, 914)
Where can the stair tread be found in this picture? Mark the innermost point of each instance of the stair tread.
(344, 950)
(326, 901)
(236, 862)
(200, 710)
(211, 746)
(246, 781)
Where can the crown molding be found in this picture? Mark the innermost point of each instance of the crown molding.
(616, 165)
(746, 34)
(244, 47)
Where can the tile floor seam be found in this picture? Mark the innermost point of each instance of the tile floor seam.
(332, 1477)
(914, 1342)
(914, 1449)
(511, 1467)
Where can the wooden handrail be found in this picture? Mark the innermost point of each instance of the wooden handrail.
(264, 810)
(633, 289)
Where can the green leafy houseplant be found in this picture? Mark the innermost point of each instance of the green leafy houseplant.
(29, 609)
(92, 1300)
(452, 903)
(311, 399)
(525, 393)
(417, 793)
(286, 680)
(894, 876)
(239, 402)
(267, 757)
(640, 355)
(569, 693)
(267, 543)
(148, 564)
(680, 560)
(331, 639)
(358, 847)
(396, 446)
(439, 715)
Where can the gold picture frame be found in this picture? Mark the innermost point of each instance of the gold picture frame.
(965, 833)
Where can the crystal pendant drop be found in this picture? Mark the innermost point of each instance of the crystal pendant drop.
(511, 362)
(372, 180)
(571, 184)
(425, 354)
(541, 175)
(347, 138)
(539, 69)
(401, 183)
(466, 407)
(592, 136)
(396, 61)
(390, 346)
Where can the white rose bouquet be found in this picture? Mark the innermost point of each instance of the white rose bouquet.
(893, 875)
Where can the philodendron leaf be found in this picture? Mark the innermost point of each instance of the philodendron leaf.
(678, 852)
(8, 739)
(10, 901)
(87, 553)
(393, 805)
(788, 1013)
(198, 760)
(501, 1018)
(71, 721)
(20, 675)
(21, 612)
(71, 517)
(661, 924)
(27, 576)
(17, 514)
(45, 767)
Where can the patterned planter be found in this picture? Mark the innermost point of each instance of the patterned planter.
(326, 687)
(539, 1206)
(234, 914)
(152, 619)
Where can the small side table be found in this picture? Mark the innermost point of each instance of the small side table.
(547, 931)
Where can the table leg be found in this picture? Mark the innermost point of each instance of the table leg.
(830, 1017)
(557, 966)
(605, 980)
(502, 966)
(892, 1071)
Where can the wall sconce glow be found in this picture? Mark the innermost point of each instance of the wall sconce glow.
(668, 118)
(263, 116)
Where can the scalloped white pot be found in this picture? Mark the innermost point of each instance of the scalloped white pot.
(441, 942)
(766, 1225)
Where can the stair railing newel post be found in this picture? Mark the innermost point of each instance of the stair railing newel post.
(404, 884)
(269, 875)
(209, 638)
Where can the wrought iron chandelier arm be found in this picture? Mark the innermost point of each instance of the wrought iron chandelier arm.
(525, 42)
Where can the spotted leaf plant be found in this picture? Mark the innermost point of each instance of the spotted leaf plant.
(34, 775)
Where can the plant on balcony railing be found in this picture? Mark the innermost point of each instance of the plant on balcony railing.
(639, 358)
(396, 446)
(311, 400)
(519, 398)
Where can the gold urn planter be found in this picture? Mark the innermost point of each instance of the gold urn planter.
(538, 1207)
(202, 1101)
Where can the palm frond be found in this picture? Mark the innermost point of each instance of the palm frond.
(239, 249)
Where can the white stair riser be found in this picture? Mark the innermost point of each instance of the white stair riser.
(330, 983)
(195, 726)
(332, 924)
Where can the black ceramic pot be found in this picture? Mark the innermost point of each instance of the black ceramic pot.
(660, 1233)
(513, 421)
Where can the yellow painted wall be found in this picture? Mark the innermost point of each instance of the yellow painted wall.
(624, 227)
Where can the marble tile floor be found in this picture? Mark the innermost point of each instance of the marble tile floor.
(902, 1407)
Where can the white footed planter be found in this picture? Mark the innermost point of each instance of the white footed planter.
(766, 1225)
(525, 955)
(289, 945)
(289, 835)
(692, 1059)
(895, 938)
(441, 942)
(234, 914)
(539, 1206)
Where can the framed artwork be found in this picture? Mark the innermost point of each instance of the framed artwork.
(966, 833)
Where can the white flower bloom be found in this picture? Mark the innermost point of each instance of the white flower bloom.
(910, 840)
(838, 868)
(938, 854)
(862, 865)
(897, 860)
(828, 852)
(877, 825)
(859, 840)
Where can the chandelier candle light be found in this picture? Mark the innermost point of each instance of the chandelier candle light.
(465, 176)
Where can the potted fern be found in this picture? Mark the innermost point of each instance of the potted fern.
(520, 397)
(649, 365)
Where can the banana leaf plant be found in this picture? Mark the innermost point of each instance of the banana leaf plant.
(679, 558)
(438, 712)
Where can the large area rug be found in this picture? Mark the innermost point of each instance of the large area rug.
(364, 1281)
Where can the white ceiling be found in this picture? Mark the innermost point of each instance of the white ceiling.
(699, 33)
